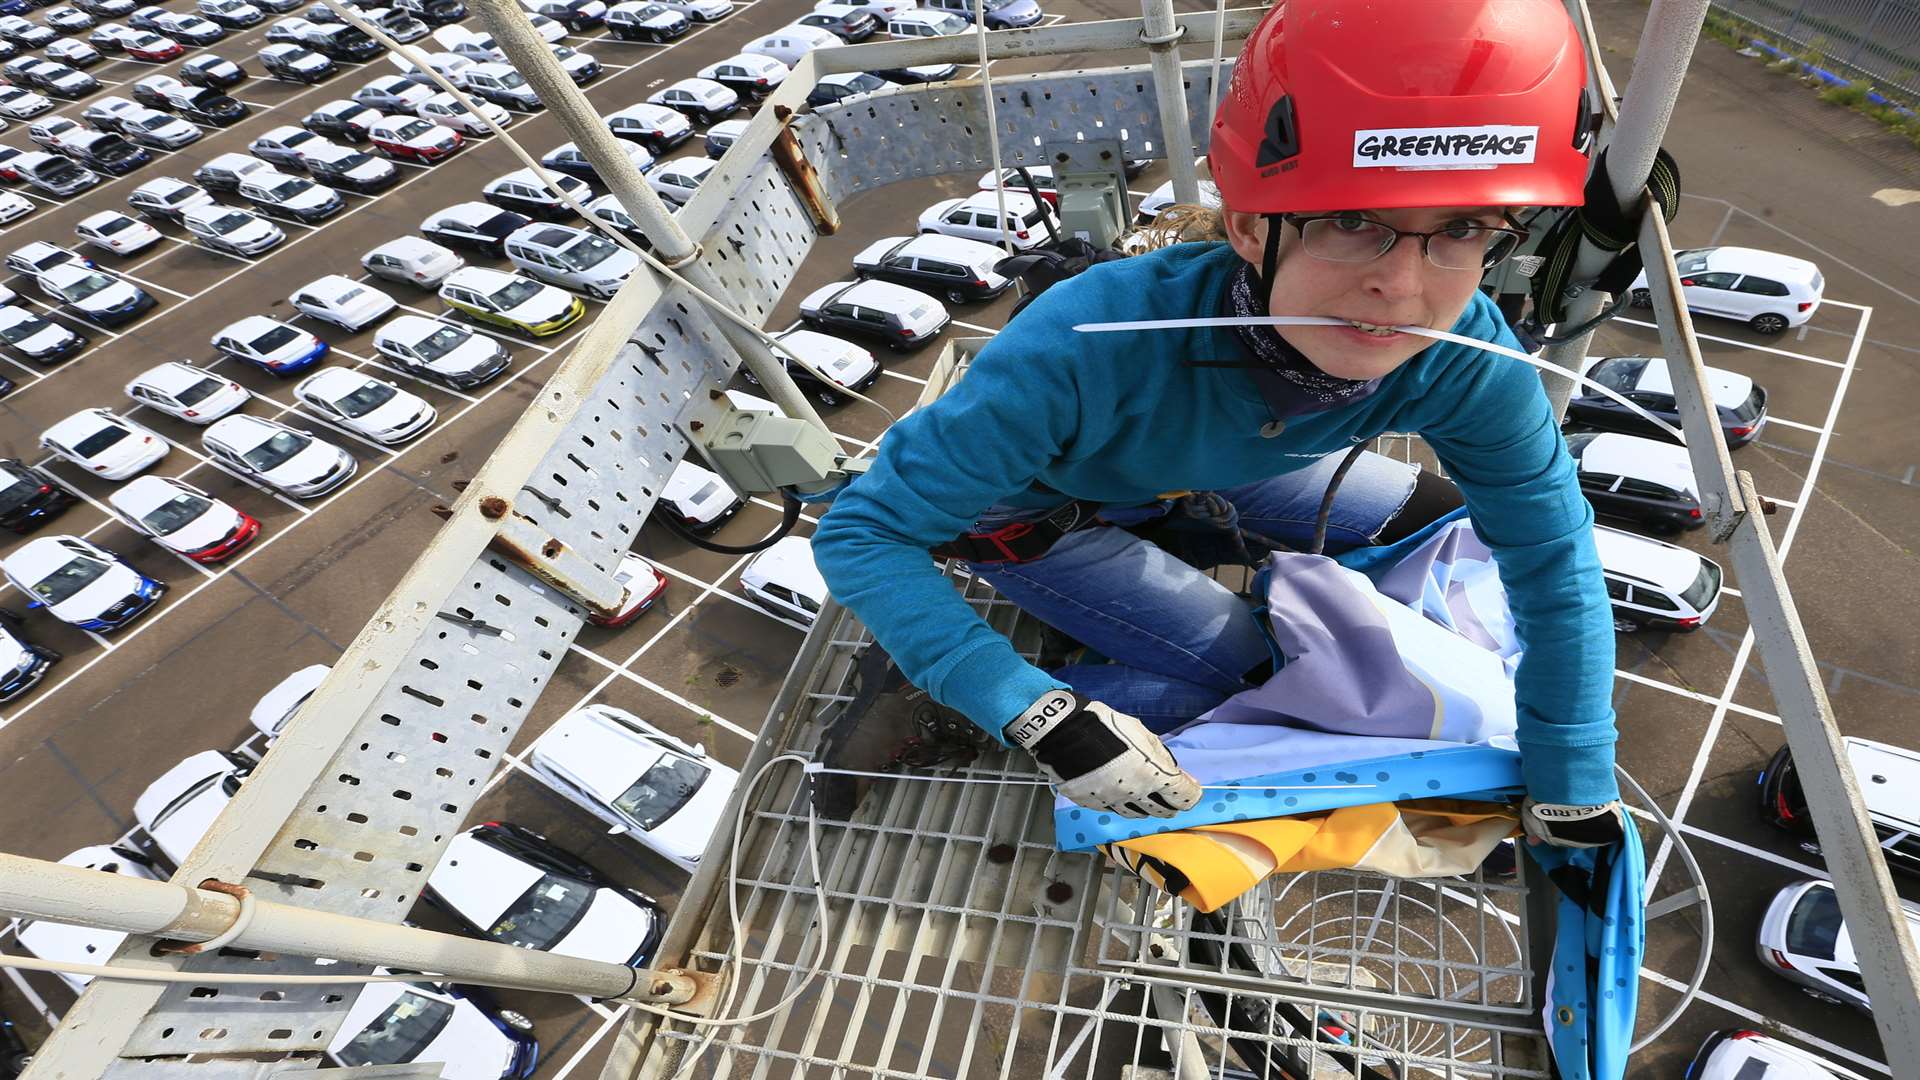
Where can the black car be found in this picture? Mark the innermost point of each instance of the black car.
(214, 71)
(1784, 806)
(932, 264)
(336, 173)
(108, 153)
(200, 36)
(146, 19)
(851, 27)
(56, 79)
(930, 73)
(37, 338)
(211, 107)
(29, 498)
(487, 235)
(562, 872)
(433, 12)
(844, 86)
(29, 664)
(1740, 402)
(343, 43)
(339, 124)
(1641, 499)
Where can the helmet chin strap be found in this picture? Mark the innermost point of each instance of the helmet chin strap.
(1270, 261)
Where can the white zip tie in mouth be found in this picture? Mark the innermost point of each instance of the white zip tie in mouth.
(1417, 331)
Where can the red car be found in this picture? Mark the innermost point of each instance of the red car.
(7, 171)
(152, 47)
(240, 537)
(414, 139)
(644, 584)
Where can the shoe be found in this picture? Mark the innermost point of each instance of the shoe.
(890, 724)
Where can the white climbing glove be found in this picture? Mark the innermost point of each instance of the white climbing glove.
(1101, 759)
(1573, 826)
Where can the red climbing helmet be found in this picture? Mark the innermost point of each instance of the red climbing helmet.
(1365, 104)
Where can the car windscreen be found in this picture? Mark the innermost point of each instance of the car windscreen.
(370, 396)
(273, 340)
(512, 80)
(86, 286)
(412, 129)
(513, 294)
(440, 343)
(544, 914)
(288, 188)
(1704, 587)
(19, 331)
(1620, 374)
(115, 225)
(399, 1034)
(1749, 410)
(276, 451)
(60, 586)
(57, 170)
(113, 148)
(588, 253)
(170, 516)
(1690, 262)
(661, 790)
(94, 444)
(227, 223)
(18, 490)
(199, 392)
(155, 122)
(1814, 926)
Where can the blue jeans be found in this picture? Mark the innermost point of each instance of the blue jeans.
(1179, 642)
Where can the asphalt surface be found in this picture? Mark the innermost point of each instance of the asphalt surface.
(1765, 165)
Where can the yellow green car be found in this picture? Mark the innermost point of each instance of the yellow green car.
(511, 301)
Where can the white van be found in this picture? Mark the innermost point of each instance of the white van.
(919, 22)
(1654, 585)
(789, 43)
(784, 581)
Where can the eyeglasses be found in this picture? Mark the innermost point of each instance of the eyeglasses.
(1350, 238)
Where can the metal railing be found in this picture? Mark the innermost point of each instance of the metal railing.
(1877, 41)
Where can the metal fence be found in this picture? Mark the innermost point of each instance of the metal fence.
(1877, 41)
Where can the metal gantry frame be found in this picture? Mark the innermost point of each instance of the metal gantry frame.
(372, 779)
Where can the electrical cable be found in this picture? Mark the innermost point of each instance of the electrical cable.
(789, 515)
(714, 304)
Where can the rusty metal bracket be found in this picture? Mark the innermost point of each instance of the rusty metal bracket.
(523, 542)
(695, 993)
(802, 175)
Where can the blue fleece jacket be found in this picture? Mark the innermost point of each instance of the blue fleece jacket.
(1117, 418)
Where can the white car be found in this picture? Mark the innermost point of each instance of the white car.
(843, 364)
(643, 782)
(977, 217)
(185, 392)
(1161, 197)
(76, 53)
(285, 146)
(784, 581)
(791, 42)
(571, 257)
(80, 583)
(698, 99)
(841, 86)
(343, 302)
(283, 458)
(1769, 292)
(698, 498)
(365, 405)
(444, 109)
(429, 348)
(512, 886)
(14, 206)
(22, 104)
(642, 583)
(37, 257)
(399, 1023)
(68, 19)
(1652, 584)
(677, 180)
(392, 94)
(656, 127)
(552, 32)
(636, 19)
(350, 120)
(182, 518)
(151, 127)
(99, 297)
(109, 446)
(36, 337)
(295, 196)
(270, 345)
(105, 113)
(167, 198)
(479, 48)
(72, 943)
(111, 230)
(226, 228)
(1750, 1055)
(412, 260)
(700, 10)
(1803, 938)
(277, 706)
(355, 170)
(581, 67)
(177, 809)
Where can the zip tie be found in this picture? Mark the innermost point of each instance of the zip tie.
(1417, 331)
(241, 919)
(1179, 31)
(816, 767)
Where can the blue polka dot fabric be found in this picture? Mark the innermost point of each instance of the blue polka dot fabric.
(1593, 986)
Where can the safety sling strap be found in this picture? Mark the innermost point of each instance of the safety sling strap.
(1609, 226)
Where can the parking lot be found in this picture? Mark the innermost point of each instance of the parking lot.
(1696, 717)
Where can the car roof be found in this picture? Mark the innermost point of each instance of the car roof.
(412, 328)
(479, 879)
(408, 245)
(327, 151)
(330, 285)
(242, 431)
(172, 376)
(1631, 455)
(13, 315)
(287, 131)
(788, 562)
(817, 348)
(249, 326)
(101, 218)
(176, 780)
(73, 428)
(71, 271)
(165, 185)
(207, 213)
(1667, 565)
(958, 248)
(1730, 389)
(467, 213)
(333, 381)
(1772, 264)
(598, 752)
(479, 278)
(547, 234)
(38, 557)
(1018, 202)
(141, 494)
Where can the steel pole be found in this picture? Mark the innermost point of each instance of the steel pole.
(531, 56)
(1162, 37)
(35, 889)
(1659, 68)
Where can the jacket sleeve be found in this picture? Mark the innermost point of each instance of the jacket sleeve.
(1019, 407)
(1499, 442)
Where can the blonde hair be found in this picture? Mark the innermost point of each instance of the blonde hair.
(1181, 223)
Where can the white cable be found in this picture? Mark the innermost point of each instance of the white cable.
(1213, 76)
(993, 127)
(1417, 331)
(133, 974)
(418, 60)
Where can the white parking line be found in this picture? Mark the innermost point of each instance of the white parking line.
(1745, 345)
(1793, 424)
